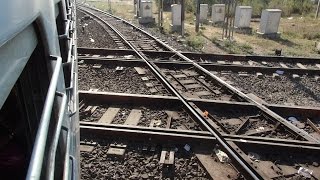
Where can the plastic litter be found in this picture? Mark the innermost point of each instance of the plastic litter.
(280, 72)
(260, 129)
(222, 156)
(307, 173)
(292, 119)
(187, 147)
(254, 156)
(128, 56)
(119, 68)
(157, 122)
(243, 140)
(92, 40)
(205, 114)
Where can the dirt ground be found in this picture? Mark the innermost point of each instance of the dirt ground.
(299, 34)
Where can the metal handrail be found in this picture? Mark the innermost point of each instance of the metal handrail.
(36, 162)
(54, 144)
(67, 155)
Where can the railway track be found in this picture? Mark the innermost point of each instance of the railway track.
(176, 118)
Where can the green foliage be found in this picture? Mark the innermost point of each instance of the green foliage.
(196, 42)
(257, 5)
(292, 6)
(287, 6)
(190, 5)
(311, 35)
(234, 47)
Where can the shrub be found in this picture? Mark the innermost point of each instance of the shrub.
(196, 42)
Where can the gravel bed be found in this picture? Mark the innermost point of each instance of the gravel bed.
(95, 116)
(121, 116)
(107, 79)
(204, 82)
(229, 120)
(158, 114)
(91, 34)
(128, 31)
(137, 164)
(171, 40)
(285, 90)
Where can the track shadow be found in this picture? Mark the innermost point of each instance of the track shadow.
(285, 42)
(307, 90)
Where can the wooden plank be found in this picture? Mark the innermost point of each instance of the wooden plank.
(221, 62)
(189, 95)
(182, 127)
(253, 132)
(215, 168)
(140, 70)
(134, 117)
(283, 65)
(301, 66)
(217, 92)
(109, 115)
(171, 158)
(149, 85)
(144, 78)
(88, 108)
(169, 119)
(180, 76)
(163, 156)
(203, 93)
(237, 62)
(97, 66)
(173, 114)
(86, 148)
(93, 109)
(193, 86)
(190, 73)
(167, 160)
(152, 123)
(116, 152)
(153, 90)
(188, 81)
(251, 63)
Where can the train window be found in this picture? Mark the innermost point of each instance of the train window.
(20, 115)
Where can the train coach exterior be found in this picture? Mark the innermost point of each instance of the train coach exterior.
(38, 99)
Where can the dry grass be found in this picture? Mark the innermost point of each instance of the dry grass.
(298, 35)
(121, 8)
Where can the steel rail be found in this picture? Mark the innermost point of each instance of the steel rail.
(214, 64)
(230, 87)
(110, 129)
(224, 144)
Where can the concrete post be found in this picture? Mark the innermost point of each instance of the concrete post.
(218, 13)
(203, 13)
(270, 20)
(176, 17)
(243, 16)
